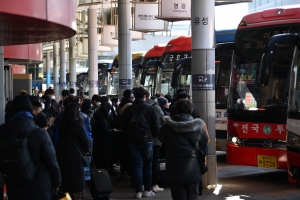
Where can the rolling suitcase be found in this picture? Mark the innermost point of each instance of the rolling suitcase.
(100, 184)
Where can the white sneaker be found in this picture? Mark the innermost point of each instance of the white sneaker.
(156, 188)
(138, 195)
(148, 194)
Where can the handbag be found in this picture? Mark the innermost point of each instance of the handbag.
(200, 156)
(85, 164)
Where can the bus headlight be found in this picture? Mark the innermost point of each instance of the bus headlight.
(233, 139)
(293, 140)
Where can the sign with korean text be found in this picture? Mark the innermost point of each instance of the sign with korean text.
(108, 33)
(203, 82)
(145, 17)
(175, 9)
(125, 84)
(203, 23)
(257, 130)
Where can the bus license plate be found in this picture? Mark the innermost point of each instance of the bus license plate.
(267, 161)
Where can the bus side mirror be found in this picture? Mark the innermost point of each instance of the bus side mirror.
(265, 68)
(143, 77)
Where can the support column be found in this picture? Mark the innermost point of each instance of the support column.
(203, 75)
(48, 67)
(2, 85)
(92, 51)
(55, 69)
(62, 66)
(72, 64)
(125, 56)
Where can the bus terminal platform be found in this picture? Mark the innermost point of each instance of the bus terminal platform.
(235, 182)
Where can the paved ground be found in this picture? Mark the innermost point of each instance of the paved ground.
(236, 182)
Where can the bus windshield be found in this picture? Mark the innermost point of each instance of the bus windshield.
(246, 92)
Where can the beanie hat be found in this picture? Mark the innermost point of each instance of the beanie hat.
(162, 101)
(128, 94)
(22, 103)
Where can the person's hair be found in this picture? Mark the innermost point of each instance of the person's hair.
(69, 120)
(36, 104)
(148, 94)
(104, 99)
(49, 92)
(184, 106)
(96, 97)
(34, 98)
(65, 93)
(153, 97)
(86, 104)
(140, 92)
(70, 100)
(168, 97)
(180, 90)
(72, 91)
(105, 108)
(158, 95)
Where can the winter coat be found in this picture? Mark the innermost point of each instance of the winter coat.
(102, 140)
(150, 116)
(69, 158)
(42, 152)
(160, 114)
(181, 161)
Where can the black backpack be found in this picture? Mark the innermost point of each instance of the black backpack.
(138, 127)
(16, 164)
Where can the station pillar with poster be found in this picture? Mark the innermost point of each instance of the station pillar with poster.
(203, 75)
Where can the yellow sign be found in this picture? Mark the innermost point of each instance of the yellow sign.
(267, 161)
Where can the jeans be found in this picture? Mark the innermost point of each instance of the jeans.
(141, 156)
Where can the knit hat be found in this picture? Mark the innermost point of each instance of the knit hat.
(22, 103)
(128, 94)
(162, 101)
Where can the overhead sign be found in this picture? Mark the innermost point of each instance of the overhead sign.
(175, 9)
(108, 32)
(145, 17)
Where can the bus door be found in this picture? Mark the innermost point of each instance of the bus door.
(148, 77)
(182, 73)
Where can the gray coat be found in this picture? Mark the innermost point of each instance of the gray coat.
(181, 161)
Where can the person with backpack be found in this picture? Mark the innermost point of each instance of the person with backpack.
(183, 134)
(140, 121)
(27, 157)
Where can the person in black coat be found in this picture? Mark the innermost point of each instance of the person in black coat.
(183, 171)
(47, 177)
(102, 138)
(72, 143)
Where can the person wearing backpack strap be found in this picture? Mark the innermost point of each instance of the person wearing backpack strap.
(40, 174)
(141, 123)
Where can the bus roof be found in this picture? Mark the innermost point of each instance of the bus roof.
(184, 43)
(156, 51)
(270, 17)
(134, 55)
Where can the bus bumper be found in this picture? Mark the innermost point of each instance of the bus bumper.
(248, 156)
(294, 168)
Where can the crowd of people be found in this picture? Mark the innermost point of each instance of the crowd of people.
(109, 130)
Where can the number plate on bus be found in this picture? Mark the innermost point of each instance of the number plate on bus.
(267, 161)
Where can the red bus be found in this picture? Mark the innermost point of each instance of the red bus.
(149, 68)
(257, 109)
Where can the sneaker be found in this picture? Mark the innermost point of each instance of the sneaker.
(156, 188)
(138, 195)
(148, 194)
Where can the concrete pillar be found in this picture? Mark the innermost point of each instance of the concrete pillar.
(203, 75)
(125, 56)
(48, 67)
(62, 66)
(72, 64)
(2, 85)
(55, 69)
(92, 51)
